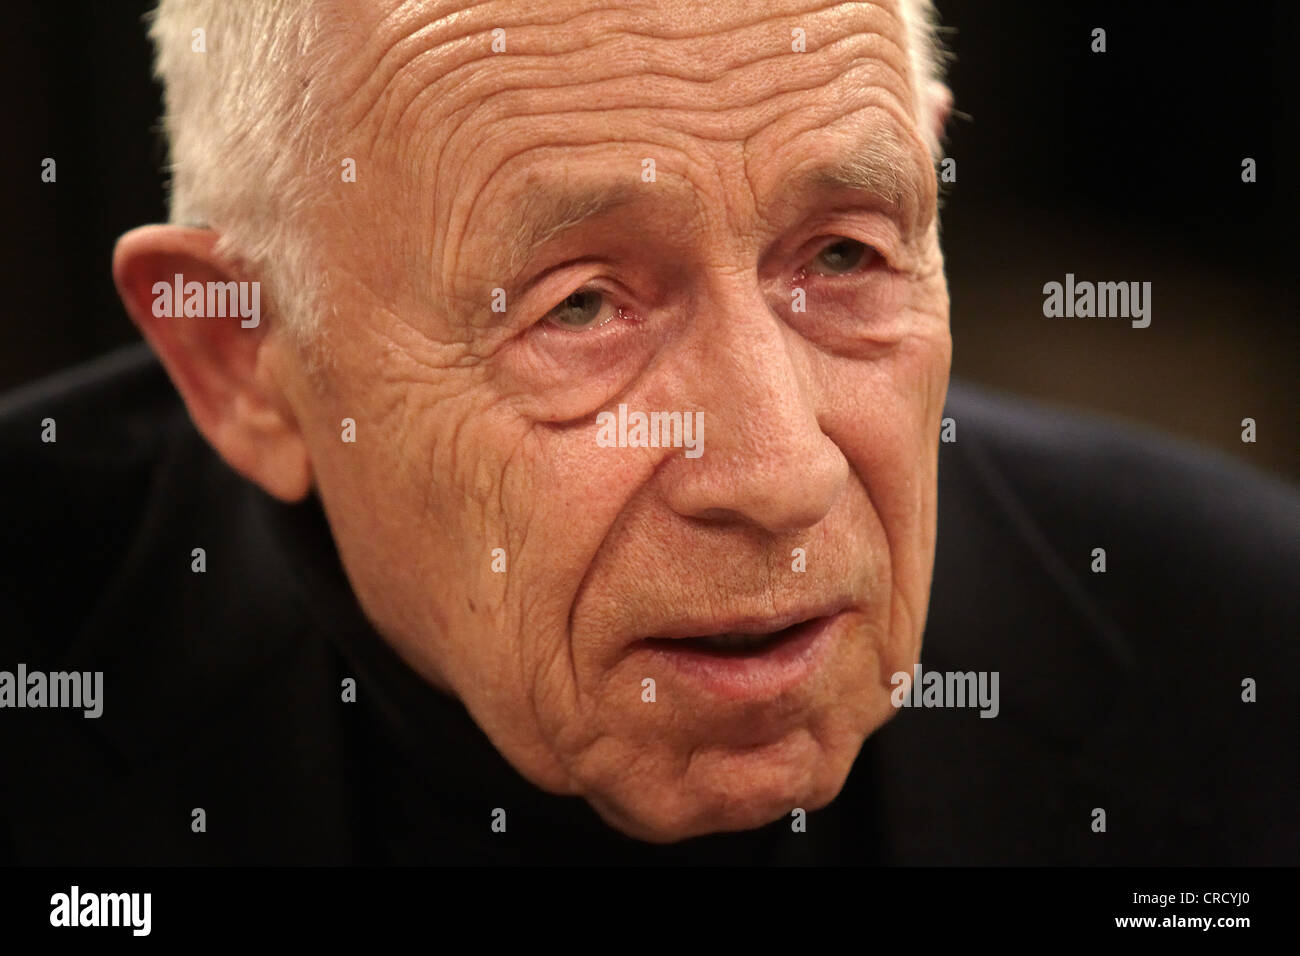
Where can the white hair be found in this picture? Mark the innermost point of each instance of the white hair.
(928, 60)
(242, 120)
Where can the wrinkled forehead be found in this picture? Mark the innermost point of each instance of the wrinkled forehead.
(504, 101)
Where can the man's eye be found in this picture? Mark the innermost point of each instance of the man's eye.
(581, 310)
(842, 257)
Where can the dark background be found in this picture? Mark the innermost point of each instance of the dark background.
(1122, 166)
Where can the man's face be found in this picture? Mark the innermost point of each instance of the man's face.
(776, 268)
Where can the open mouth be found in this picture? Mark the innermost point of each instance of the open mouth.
(738, 644)
(746, 662)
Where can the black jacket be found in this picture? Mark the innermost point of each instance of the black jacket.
(1120, 691)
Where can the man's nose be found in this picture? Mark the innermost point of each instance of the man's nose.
(765, 459)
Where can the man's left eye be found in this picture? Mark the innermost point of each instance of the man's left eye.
(581, 310)
(842, 257)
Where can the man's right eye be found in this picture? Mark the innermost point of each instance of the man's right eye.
(581, 310)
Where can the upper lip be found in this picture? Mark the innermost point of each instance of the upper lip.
(746, 623)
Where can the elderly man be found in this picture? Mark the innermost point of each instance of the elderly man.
(571, 382)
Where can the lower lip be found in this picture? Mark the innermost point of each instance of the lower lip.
(767, 671)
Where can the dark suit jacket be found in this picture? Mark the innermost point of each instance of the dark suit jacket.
(1120, 691)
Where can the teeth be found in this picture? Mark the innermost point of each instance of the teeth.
(733, 641)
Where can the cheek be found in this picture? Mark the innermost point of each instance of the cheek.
(511, 657)
(549, 500)
(375, 455)
(886, 419)
(884, 412)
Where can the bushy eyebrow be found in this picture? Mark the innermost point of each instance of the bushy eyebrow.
(544, 213)
(882, 165)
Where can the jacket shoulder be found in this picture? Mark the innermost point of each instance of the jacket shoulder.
(79, 451)
(1139, 595)
(1169, 515)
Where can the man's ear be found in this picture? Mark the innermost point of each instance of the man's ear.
(225, 368)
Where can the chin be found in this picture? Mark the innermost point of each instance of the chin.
(729, 790)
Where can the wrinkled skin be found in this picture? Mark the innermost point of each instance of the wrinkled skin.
(476, 429)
